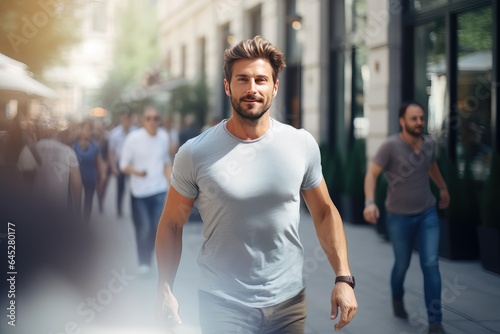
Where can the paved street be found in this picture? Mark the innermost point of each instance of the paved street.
(120, 300)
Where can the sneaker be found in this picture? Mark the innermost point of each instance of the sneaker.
(436, 328)
(399, 309)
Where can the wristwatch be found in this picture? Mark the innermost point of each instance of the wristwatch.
(346, 279)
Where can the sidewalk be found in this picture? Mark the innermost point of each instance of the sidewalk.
(120, 300)
(470, 295)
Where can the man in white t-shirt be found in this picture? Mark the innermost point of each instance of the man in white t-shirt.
(145, 157)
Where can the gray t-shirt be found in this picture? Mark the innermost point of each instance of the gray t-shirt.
(248, 196)
(407, 175)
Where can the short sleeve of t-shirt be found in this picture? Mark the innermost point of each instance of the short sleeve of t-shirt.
(313, 174)
(383, 155)
(183, 175)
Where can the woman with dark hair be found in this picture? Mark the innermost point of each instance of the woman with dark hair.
(91, 165)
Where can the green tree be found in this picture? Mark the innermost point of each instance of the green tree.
(191, 99)
(36, 32)
(136, 52)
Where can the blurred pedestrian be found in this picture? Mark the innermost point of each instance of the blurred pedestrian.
(145, 157)
(55, 168)
(173, 135)
(92, 167)
(101, 136)
(407, 159)
(116, 140)
(214, 120)
(248, 174)
(189, 129)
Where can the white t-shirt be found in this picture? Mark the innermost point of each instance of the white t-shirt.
(248, 196)
(144, 152)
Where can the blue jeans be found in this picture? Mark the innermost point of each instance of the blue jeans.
(146, 212)
(403, 231)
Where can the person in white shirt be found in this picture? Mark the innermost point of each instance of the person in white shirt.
(145, 157)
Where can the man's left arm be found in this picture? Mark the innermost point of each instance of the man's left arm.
(331, 235)
(438, 180)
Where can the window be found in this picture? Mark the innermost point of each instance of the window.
(474, 84)
(427, 4)
(99, 19)
(452, 76)
(359, 69)
(202, 68)
(255, 22)
(430, 71)
(183, 60)
(293, 71)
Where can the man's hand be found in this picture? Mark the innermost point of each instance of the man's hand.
(167, 309)
(343, 297)
(371, 213)
(444, 200)
(114, 170)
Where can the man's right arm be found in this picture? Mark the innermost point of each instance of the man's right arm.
(168, 253)
(371, 211)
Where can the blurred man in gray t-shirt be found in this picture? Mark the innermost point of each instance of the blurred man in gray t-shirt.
(407, 160)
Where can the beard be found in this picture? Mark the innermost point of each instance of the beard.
(252, 113)
(414, 132)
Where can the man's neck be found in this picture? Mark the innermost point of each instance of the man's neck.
(248, 130)
(409, 138)
(151, 132)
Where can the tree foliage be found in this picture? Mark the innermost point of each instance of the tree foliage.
(191, 99)
(136, 51)
(36, 32)
(475, 30)
(137, 39)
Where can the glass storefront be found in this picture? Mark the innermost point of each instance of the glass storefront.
(474, 80)
(458, 104)
(452, 62)
(427, 4)
(431, 76)
(360, 72)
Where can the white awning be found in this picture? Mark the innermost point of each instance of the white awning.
(15, 81)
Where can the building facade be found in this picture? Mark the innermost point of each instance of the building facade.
(350, 64)
(87, 63)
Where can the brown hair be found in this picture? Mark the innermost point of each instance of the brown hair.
(255, 48)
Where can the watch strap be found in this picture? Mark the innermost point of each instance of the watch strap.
(346, 279)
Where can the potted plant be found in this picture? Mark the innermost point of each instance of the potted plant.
(489, 229)
(355, 170)
(333, 173)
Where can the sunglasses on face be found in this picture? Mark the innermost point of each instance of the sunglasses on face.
(152, 118)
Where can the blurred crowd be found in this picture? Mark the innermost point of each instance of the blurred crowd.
(70, 163)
